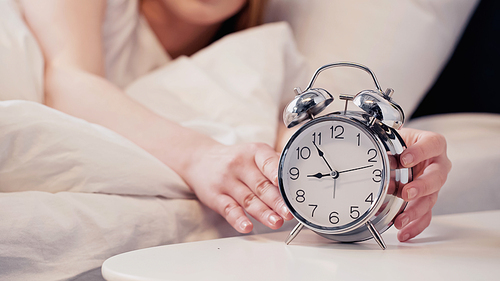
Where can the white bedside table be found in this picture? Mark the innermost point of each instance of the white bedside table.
(454, 247)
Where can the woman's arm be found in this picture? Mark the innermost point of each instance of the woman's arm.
(69, 33)
(227, 179)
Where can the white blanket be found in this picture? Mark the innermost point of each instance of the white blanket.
(75, 193)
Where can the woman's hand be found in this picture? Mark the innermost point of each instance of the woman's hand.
(232, 180)
(426, 153)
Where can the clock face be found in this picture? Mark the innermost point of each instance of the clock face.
(333, 174)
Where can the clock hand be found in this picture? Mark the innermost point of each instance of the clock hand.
(319, 175)
(334, 186)
(355, 169)
(334, 173)
(322, 155)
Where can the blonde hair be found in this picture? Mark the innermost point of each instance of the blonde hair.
(252, 14)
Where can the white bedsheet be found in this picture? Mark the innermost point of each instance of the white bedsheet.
(74, 193)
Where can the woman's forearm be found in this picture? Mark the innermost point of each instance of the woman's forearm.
(94, 99)
(70, 35)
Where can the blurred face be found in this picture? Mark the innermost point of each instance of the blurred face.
(204, 12)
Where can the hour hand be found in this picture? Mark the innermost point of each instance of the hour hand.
(318, 175)
(322, 155)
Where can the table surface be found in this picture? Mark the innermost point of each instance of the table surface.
(460, 246)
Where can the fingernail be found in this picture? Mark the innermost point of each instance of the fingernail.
(273, 219)
(412, 192)
(405, 221)
(284, 211)
(406, 237)
(407, 159)
(244, 224)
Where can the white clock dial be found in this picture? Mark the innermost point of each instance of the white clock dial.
(332, 174)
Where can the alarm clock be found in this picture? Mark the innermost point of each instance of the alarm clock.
(339, 174)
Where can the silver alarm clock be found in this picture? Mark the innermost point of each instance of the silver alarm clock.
(339, 174)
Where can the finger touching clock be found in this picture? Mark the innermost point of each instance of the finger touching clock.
(429, 178)
(422, 146)
(266, 192)
(264, 181)
(426, 153)
(254, 206)
(267, 160)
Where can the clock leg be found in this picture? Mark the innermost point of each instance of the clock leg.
(376, 235)
(295, 231)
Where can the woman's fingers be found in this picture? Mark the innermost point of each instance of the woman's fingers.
(267, 161)
(424, 145)
(416, 217)
(266, 191)
(415, 227)
(234, 214)
(264, 181)
(242, 180)
(429, 181)
(258, 193)
(244, 198)
(255, 207)
(415, 210)
(426, 154)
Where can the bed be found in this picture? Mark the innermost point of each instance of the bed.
(74, 193)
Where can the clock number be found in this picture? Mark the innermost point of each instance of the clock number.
(303, 152)
(300, 196)
(359, 138)
(334, 219)
(369, 199)
(314, 209)
(319, 138)
(354, 212)
(377, 175)
(372, 159)
(294, 173)
(335, 134)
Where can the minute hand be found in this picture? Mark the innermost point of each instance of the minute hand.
(354, 169)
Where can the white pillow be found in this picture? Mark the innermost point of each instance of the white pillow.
(230, 90)
(405, 42)
(21, 60)
(42, 149)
